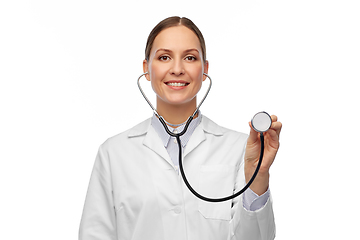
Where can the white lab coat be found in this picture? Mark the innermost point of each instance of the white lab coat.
(135, 192)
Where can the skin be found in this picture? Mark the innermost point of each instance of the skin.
(176, 56)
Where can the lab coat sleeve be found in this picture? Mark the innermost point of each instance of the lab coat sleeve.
(98, 221)
(246, 224)
(255, 225)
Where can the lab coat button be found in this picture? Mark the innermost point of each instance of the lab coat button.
(177, 210)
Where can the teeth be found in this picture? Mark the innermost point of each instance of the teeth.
(176, 84)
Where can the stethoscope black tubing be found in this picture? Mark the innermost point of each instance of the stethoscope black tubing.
(183, 172)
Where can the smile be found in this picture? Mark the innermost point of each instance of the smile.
(177, 84)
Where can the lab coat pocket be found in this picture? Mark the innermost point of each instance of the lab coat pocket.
(216, 181)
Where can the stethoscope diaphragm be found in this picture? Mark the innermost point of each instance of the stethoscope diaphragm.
(261, 122)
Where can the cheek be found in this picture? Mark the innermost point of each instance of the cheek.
(156, 72)
(197, 74)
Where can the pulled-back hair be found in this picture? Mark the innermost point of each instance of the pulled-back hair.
(172, 22)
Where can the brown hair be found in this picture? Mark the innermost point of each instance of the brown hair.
(172, 22)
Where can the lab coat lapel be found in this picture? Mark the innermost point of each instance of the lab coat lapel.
(153, 141)
(199, 136)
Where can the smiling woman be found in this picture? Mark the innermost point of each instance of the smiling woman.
(135, 191)
(175, 67)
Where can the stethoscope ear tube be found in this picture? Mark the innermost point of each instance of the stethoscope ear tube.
(144, 95)
(224, 198)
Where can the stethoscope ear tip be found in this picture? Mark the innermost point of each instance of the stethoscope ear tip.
(261, 122)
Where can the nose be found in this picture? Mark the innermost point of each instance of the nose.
(177, 68)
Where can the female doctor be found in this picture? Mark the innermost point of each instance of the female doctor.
(136, 191)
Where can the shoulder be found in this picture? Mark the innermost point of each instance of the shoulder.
(212, 128)
(137, 131)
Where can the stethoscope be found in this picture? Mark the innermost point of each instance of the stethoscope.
(261, 122)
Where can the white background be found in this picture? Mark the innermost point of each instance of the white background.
(68, 73)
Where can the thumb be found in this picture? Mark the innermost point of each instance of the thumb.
(253, 136)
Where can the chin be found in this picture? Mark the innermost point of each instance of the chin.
(181, 102)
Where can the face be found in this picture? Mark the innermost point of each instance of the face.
(176, 66)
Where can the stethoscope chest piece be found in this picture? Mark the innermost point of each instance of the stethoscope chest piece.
(261, 122)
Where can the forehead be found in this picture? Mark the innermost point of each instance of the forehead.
(176, 38)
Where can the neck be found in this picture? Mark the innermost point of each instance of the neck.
(176, 114)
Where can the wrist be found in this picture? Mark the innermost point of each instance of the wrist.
(260, 184)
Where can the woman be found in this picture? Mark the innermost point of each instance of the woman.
(136, 192)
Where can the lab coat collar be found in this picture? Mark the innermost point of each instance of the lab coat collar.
(153, 141)
(206, 125)
(211, 127)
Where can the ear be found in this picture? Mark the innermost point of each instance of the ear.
(146, 69)
(206, 69)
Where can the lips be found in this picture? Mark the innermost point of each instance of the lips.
(177, 83)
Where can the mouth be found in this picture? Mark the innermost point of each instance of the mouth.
(178, 83)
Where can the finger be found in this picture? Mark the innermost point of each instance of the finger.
(272, 139)
(274, 118)
(277, 127)
(253, 136)
(274, 136)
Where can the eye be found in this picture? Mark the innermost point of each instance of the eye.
(190, 58)
(164, 58)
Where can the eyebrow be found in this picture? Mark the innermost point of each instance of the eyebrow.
(168, 50)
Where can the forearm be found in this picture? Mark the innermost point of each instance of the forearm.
(261, 183)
